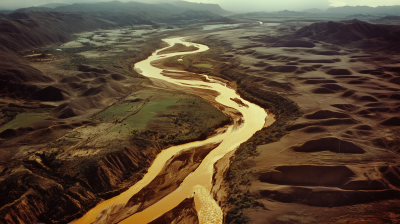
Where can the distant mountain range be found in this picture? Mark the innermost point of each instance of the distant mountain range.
(392, 10)
(170, 7)
(386, 10)
(53, 5)
(353, 33)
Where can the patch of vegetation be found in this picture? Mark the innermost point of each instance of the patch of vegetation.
(73, 135)
(240, 200)
(177, 120)
(23, 120)
(55, 50)
(117, 112)
(148, 113)
(191, 123)
(203, 65)
(9, 113)
(176, 114)
(77, 59)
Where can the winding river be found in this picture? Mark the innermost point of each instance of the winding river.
(199, 182)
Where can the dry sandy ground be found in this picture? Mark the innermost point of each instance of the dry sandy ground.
(340, 160)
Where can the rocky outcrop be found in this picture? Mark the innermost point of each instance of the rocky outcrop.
(28, 208)
(112, 169)
(33, 194)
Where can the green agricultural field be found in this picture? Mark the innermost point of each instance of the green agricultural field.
(64, 51)
(158, 104)
(24, 120)
(150, 112)
(169, 113)
(203, 65)
(117, 112)
(188, 119)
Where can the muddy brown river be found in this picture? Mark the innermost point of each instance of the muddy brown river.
(198, 184)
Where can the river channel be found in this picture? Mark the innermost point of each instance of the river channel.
(199, 182)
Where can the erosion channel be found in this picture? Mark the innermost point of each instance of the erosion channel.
(142, 203)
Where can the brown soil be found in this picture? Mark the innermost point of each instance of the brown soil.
(331, 165)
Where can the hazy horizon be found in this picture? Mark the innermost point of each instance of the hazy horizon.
(230, 5)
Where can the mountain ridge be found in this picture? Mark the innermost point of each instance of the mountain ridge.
(354, 33)
(170, 7)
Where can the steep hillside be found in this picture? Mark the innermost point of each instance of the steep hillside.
(164, 7)
(23, 31)
(5, 12)
(393, 10)
(16, 76)
(214, 8)
(126, 18)
(35, 9)
(118, 6)
(53, 5)
(391, 20)
(353, 33)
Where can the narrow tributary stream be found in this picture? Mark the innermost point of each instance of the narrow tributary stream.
(199, 182)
